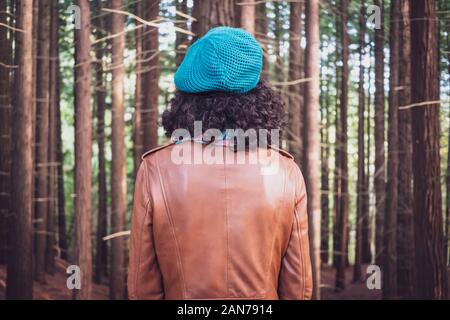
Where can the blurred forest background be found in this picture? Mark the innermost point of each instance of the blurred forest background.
(83, 84)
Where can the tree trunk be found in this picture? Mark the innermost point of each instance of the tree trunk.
(295, 94)
(405, 232)
(138, 95)
(379, 177)
(151, 75)
(5, 128)
(261, 35)
(278, 29)
(34, 105)
(390, 226)
(428, 225)
(42, 134)
(101, 254)
(280, 77)
(312, 96)
(248, 17)
(118, 178)
(19, 282)
(343, 206)
(367, 219)
(337, 157)
(181, 40)
(210, 14)
(447, 210)
(237, 14)
(447, 207)
(83, 150)
(361, 214)
(62, 235)
(52, 141)
(325, 169)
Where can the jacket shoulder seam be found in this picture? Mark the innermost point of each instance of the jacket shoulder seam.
(156, 149)
(282, 152)
(169, 217)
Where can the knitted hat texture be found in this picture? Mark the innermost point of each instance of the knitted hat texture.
(225, 59)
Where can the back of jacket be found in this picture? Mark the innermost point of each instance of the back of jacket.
(219, 227)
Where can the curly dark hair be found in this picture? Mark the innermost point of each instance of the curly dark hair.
(260, 108)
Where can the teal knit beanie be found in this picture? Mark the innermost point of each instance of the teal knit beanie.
(225, 59)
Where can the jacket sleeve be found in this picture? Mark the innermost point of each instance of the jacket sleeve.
(295, 281)
(144, 276)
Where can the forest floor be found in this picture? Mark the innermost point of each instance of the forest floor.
(55, 287)
(353, 290)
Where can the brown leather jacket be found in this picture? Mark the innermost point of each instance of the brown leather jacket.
(218, 231)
